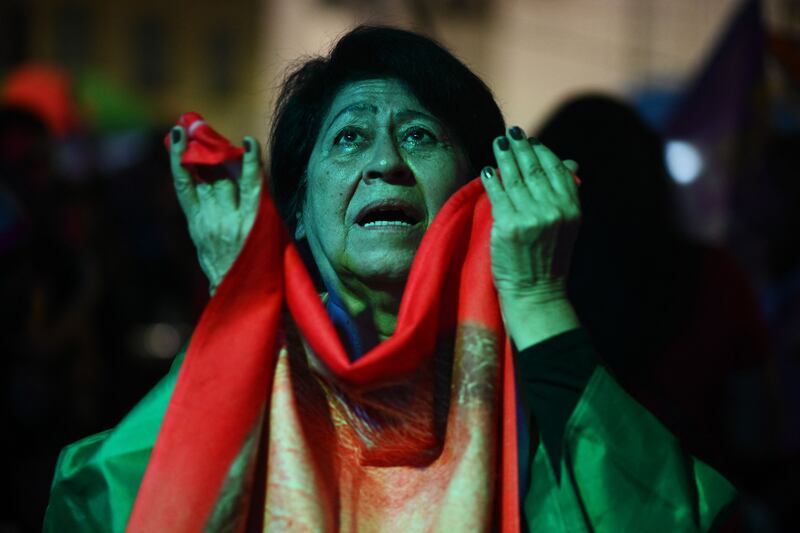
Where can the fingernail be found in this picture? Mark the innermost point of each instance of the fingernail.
(176, 135)
(487, 172)
(502, 143)
(247, 146)
(516, 133)
(534, 141)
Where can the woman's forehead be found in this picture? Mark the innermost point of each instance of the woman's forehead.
(374, 96)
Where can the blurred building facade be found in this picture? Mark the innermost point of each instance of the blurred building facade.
(167, 56)
(227, 59)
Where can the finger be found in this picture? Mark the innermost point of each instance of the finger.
(184, 185)
(501, 204)
(205, 198)
(571, 165)
(513, 185)
(561, 178)
(225, 194)
(534, 175)
(250, 182)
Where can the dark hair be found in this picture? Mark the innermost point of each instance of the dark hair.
(442, 83)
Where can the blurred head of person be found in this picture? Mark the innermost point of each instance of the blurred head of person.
(628, 262)
(624, 178)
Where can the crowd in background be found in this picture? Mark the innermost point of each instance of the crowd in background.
(99, 288)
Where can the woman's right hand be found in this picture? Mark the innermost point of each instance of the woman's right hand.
(220, 214)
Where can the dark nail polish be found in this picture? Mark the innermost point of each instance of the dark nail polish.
(176, 135)
(502, 143)
(248, 146)
(487, 172)
(534, 141)
(516, 133)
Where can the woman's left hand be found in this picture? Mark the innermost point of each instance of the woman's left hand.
(536, 217)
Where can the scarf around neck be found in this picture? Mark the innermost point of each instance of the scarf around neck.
(272, 426)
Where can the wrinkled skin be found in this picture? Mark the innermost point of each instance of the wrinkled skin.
(220, 214)
(536, 215)
(377, 142)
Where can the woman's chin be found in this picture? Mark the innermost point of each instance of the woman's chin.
(386, 269)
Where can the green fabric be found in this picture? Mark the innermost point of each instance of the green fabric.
(97, 478)
(621, 470)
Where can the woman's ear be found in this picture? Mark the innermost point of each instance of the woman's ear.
(299, 227)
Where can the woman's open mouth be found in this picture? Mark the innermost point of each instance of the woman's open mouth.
(389, 214)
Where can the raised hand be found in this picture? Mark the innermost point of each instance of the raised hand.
(536, 217)
(220, 214)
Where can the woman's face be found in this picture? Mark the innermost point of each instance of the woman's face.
(380, 170)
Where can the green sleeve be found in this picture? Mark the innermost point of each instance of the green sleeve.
(621, 470)
(97, 478)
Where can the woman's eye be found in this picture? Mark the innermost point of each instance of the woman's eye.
(347, 136)
(419, 135)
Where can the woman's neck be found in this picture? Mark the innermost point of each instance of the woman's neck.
(373, 308)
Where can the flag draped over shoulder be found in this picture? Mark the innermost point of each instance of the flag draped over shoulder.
(265, 424)
(208, 459)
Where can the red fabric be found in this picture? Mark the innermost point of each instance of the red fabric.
(224, 385)
(205, 147)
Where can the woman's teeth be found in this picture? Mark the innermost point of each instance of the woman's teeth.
(387, 223)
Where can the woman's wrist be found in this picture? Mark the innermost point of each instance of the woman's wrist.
(535, 317)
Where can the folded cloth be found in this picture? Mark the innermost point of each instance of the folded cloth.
(209, 156)
(223, 408)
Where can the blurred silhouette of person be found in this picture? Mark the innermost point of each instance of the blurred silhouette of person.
(87, 264)
(93, 252)
(677, 321)
(49, 290)
(769, 224)
(768, 233)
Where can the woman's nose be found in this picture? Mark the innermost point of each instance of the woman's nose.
(387, 164)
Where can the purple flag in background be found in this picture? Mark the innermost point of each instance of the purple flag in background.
(718, 101)
(712, 116)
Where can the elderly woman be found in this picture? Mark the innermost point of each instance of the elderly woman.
(419, 369)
